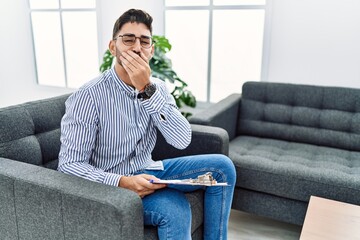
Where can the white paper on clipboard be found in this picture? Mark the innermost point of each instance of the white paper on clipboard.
(187, 182)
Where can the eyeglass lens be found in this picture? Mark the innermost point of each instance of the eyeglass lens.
(130, 40)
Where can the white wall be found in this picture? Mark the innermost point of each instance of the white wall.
(311, 42)
(17, 73)
(315, 42)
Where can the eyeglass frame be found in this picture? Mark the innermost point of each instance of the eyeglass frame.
(133, 35)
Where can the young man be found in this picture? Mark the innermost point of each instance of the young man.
(109, 131)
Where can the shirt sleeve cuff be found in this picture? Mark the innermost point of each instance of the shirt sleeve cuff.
(155, 103)
(112, 179)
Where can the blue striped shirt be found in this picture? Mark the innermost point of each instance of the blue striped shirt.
(108, 132)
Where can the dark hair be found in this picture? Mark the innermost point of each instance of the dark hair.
(133, 15)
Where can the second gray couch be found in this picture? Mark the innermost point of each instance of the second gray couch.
(289, 142)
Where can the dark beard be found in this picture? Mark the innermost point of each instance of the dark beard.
(117, 55)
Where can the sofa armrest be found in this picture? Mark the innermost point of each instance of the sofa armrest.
(39, 203)
(223, 114)
(205, 140)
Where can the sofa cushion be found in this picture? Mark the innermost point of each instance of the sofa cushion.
(17, 139)
(326, 116)
(30, 132)
(296, 170)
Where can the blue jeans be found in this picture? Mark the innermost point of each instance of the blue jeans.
(168, 208)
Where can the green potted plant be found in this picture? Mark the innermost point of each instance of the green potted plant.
(161, 67)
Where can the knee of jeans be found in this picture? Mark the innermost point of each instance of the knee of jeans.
(226, 167)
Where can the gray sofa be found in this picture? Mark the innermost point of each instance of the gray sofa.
(289, 142)
(37, 202)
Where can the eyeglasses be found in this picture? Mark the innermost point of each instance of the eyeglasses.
(130, 39)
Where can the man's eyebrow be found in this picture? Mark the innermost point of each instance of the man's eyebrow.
(128, 34)
(131, 34)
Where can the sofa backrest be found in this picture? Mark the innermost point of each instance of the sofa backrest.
(30, 132)
(325, 116)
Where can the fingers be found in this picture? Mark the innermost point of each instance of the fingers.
(152, 185)
(137, 67)
(141, 184)
(146, 56)
(134, 61)
(149, 187)
(127, 64)
(140, 58)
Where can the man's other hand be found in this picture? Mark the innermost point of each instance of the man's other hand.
(140, 184)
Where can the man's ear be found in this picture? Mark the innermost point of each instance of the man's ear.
(112, 47)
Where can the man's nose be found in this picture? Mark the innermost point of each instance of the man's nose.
(137, 45)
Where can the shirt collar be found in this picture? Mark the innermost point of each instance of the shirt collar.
(131, 92)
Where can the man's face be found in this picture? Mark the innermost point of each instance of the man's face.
(142, 34)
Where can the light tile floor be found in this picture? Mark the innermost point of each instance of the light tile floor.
(244, 226)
